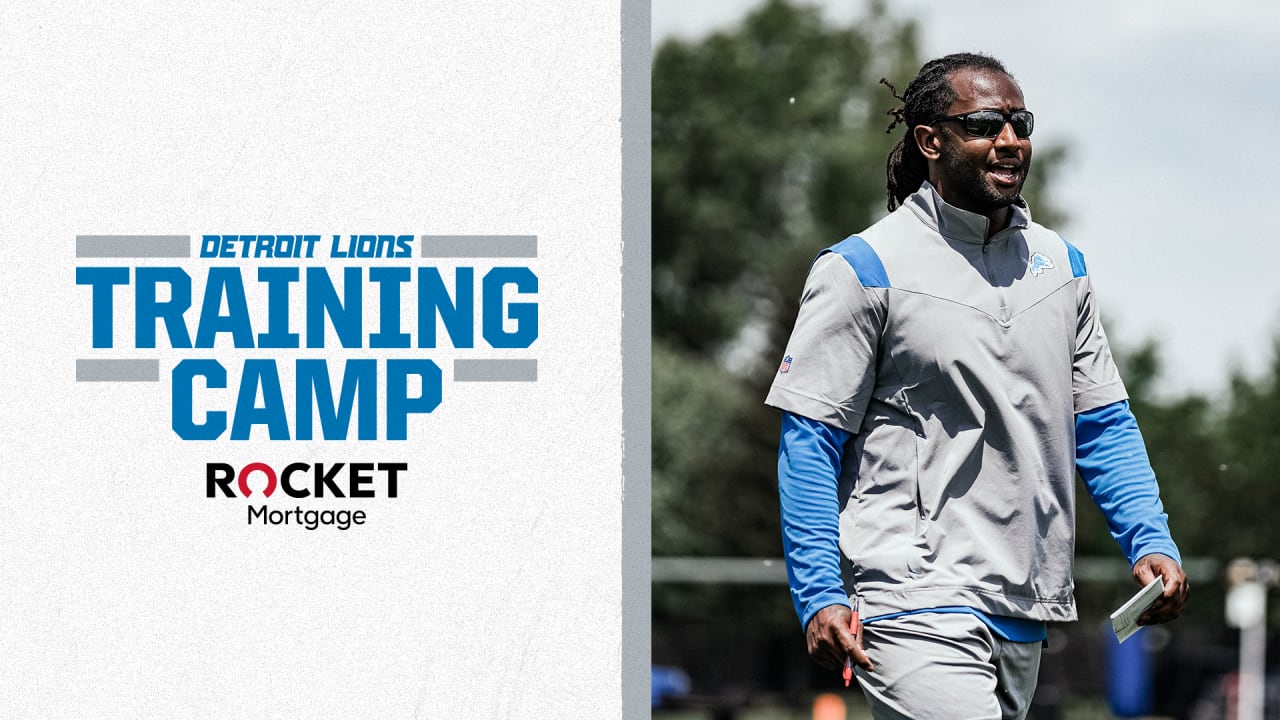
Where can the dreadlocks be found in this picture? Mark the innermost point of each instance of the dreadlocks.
(926, 99)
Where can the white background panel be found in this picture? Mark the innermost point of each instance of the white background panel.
(490, 586)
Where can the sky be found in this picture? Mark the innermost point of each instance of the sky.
(1171, 111)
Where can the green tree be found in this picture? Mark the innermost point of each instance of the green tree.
(768, 144)
(1214, 459)
(1243, 488)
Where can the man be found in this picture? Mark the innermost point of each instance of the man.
(946, 377)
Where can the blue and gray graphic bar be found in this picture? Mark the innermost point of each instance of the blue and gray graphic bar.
(133, 246)
(117, 370)
(479, 246)
(495, 370)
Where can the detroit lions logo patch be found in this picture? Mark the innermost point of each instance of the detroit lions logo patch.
(1039, 263)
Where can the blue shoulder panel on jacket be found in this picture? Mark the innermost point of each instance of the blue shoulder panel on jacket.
(1077, 259)
(865, 262)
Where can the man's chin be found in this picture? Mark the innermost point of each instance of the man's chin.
(1003, 197)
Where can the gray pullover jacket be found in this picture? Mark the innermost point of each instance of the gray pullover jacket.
(958, 363)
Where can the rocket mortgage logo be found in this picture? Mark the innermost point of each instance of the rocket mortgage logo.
(289, 338)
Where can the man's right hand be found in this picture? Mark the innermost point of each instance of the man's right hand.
(830, 641)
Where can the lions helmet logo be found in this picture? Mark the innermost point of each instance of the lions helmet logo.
(1039, 263)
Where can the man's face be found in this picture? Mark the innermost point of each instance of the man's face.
(982, 175)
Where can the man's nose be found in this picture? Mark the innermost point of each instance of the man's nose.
(1006, 137)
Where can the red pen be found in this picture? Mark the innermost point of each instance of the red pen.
(853, 628)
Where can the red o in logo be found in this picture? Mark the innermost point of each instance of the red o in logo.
(265, 469)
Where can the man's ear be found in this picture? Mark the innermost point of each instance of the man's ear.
(929, 141)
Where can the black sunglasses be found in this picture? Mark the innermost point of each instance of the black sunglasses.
(989, 123)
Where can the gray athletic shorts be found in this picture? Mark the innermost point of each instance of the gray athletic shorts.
(948, 666)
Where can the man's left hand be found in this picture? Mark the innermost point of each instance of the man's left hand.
(1176, 588)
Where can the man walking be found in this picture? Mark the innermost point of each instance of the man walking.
(946, 377)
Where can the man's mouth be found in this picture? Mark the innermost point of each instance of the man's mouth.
(1006, 173)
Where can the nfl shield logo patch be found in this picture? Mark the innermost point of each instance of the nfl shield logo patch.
(786, 364)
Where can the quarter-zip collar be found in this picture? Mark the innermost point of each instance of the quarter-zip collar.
(956, 224)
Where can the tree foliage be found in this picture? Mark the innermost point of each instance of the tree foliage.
(768, 145)
(1214, 456)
